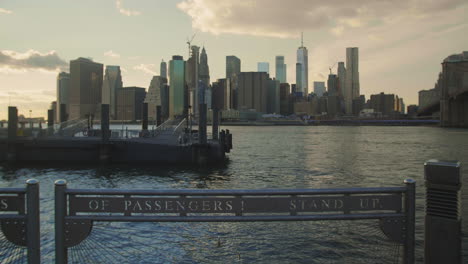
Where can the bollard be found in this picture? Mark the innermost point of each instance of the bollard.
(60, 213)
(105, 132)
(144, 123)
(215, 126)
(202, 124)
(442, 234)
(33, 230)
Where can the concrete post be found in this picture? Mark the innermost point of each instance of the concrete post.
(215, 126)
(144, 123)
(12, 122)
(105, 131)
(33, 230)
(61, 256)
(442, 234)
(202, 124)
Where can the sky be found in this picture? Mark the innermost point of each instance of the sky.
(401, 42)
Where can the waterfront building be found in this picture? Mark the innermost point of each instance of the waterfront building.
(273, 97)
(154, 96)
(352, 89)
(110, 85)
(233, 66)
(177, 87)
(192, 76)
(319, 88)
(163, 69)
(252, 91)
(221, 94)
(298, 90)
(333, 106)
(412, 111)
(332, 84)
(383, 103)
(62, 103)
(358, 104)
(85, 88)
(303, 60)
(280, 69)
(263, 67)
(285, 99)
(130, 103)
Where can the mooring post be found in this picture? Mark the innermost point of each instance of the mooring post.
(410, 210)
(33, 230)
(144, 123)
(215, 127)
(442, 227)
(105, 132)
(61, 256)
(158, 116)
(202, 124)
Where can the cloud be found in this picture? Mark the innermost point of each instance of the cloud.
(124, 11)
(146, 68)
(5, 11)
(12, 61)
(284, 19)
(111, 54)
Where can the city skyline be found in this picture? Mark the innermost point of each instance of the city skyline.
(41, 48)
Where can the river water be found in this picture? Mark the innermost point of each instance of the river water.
(263, 157)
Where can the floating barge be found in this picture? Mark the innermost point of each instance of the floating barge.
(172, 142)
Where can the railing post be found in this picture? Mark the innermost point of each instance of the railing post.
(33, 237)
(442, 227)
(60, 213)
(410, 210)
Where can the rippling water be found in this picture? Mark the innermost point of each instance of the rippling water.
(263, 157)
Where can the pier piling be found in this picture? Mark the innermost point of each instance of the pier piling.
(105, 131)
(202, 124)
(215, 127)
(144, 123)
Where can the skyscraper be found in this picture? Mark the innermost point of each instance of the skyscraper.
(191, 77)
(63, 89)
(111, 84)
(302, 58)
(130, 103)
(233, 66)
(177, 91)
(273, 96)
(204, 72)
(319, 88)
(263, 67)
(154, 95)
(252, 91)
(352, 78)
(299, 80)
(163, 69)
(332, 84)
(85, 88)
(280, 69)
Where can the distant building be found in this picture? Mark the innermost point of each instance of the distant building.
(303, 60)
(111, 84)
(192, 76)
(332, 85)
(341, 79)
(352, 89)
(204, 71)
(63, 90)
(412, 111)
(358, 104)
(285, 99)
(221, 94)
(263, 67)
(273, 97)
(130, 103)
(85, 88)
(154, 96)
(177, 87)
(280, 67)
(163, 69)
(252, 91)
(233, 66)
(319, 88)
(298, 84)
(383, 103)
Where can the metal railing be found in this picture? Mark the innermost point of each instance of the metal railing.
(19, 216)
(77, 209)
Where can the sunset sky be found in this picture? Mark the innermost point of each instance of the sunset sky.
(401, 42)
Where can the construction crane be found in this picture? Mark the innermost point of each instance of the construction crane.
(330, 68)
(189, 43)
